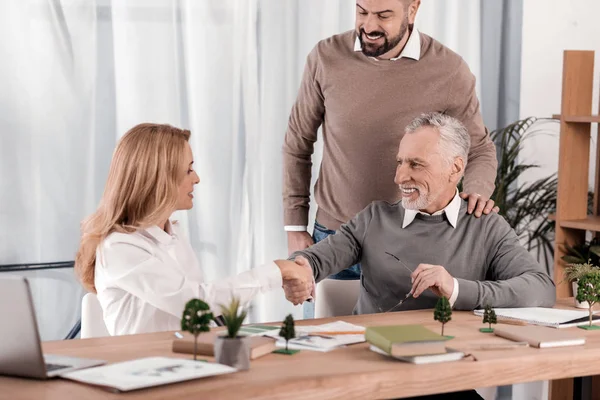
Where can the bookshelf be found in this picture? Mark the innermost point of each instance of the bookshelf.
(580, 119)
(572, 219)
(576, 119)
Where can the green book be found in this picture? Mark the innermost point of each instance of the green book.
(257, 330)
(405, 340)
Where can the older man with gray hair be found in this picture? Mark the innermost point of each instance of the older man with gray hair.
(427, 244)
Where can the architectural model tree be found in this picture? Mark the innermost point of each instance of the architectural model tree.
(489, 317)
(287, 330)
(196, 319)
(588, 289)
(442, 312)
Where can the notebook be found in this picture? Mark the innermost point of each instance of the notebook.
(260, 345)
(539, 336)
(552, 317)
(146, 372)
(449, 355)
(405, 340)
(324, 338)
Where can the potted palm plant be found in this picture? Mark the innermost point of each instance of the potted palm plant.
(524, 206)
(233, 349)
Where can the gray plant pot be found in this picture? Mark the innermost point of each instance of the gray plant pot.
(233, 352)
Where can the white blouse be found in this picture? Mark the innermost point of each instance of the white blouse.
(144, 279)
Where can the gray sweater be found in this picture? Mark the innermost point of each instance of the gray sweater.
(483, 254)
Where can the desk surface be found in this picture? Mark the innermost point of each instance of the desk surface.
(354, 372)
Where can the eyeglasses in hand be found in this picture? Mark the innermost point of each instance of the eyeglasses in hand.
(408, 295)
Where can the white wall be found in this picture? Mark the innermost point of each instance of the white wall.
(549, 28)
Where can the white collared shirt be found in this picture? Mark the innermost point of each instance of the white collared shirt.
(144, 279)
(451, 211)
(412, 49)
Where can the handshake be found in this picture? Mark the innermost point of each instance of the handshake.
(298, 280)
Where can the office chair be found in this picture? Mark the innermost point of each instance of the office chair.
(92, 319)
(334, 298)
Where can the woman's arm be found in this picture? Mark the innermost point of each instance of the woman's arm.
(133, 268)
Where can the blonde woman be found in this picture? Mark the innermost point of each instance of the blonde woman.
(136, 260)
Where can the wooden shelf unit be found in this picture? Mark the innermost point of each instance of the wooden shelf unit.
(591, 223)
(572, 219)
(578, 119)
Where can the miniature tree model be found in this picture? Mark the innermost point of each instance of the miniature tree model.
(442, 312)
(234, 318)
(287, 330)
(589, 290)
(196, 319)
(489, 317)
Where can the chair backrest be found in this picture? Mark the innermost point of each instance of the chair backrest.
(335, 297)
(92, 319)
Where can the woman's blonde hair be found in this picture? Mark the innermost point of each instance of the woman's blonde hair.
(141, 190)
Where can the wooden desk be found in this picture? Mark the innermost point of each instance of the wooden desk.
(354, 372)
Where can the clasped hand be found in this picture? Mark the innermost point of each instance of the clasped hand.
(298, 280)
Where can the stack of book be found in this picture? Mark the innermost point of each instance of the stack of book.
(205, 343)
(411, 343)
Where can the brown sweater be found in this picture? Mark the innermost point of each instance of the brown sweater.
(364, 106)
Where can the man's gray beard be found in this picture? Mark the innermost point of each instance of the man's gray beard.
(420, 203)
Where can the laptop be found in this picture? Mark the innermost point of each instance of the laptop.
(20, 347)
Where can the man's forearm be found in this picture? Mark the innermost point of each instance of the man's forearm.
(340, 251)
(296, 189)
(480, 174)
(534, 289)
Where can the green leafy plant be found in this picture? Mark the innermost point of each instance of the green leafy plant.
(234, 317)
(588, 289)
(287, 330)
(489, 317)
(525, 207)
(442, 312)
(583, 252)
(196, 319)
(574, 272)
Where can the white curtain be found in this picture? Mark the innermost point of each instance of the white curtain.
(77, 74)
(47, 154)
(457, 24)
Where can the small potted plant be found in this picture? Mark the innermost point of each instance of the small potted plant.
(588, 291)
(196, 319)
(574, 272)
(443, 312)
(489, 317)
(231, 349)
